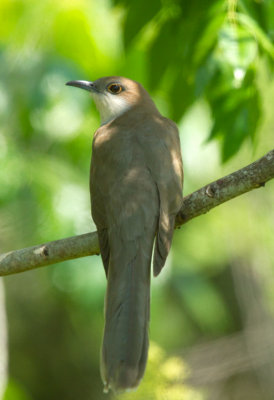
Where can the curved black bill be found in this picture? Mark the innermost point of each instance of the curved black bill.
(82, 85)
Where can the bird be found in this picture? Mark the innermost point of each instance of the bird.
(136, 183)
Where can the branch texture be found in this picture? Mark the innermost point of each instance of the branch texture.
(200, 202)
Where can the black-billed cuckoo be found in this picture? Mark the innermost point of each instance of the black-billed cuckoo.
(136, 180)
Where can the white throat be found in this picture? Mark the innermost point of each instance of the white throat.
(110, 106)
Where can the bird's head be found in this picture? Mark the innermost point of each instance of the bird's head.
(114, 95)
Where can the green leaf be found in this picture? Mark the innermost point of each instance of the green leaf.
(139, 13)
(15, 391)
(162, 54)
(236, 112)
(208, 37)
(182, 93)
(204, 75)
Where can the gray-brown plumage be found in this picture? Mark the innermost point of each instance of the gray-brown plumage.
(136, 191)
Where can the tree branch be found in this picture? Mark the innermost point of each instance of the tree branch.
(244, 180)
(200, 202)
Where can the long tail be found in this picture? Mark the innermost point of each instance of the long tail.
(127, 303)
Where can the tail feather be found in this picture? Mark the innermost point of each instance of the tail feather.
(127, 303)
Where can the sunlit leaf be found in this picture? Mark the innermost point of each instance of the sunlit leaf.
(258, 33)
(15, 391)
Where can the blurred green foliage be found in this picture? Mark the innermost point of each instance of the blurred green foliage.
(208, 65)
(206, 49)
(164, 379)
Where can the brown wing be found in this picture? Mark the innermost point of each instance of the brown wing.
(165, 164)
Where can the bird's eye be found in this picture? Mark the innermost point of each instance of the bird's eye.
(114, 88)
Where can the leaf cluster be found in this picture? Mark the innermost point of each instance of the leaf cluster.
(209, 49)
